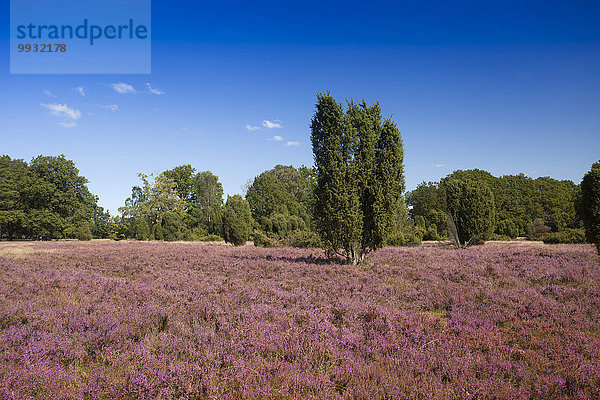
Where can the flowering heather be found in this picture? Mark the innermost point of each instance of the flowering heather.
(155, 320)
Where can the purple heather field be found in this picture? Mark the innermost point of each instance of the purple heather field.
(151, 320)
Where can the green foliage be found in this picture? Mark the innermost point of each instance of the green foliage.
(517, 198)
(46, 199)
(157, 202)
(200, 234)
(536, 229)
(157, 232)
(500, 238)
(471, 206)
(420, 222)
(13, 178)
(303, 239)
(590, 204)
(100, 223)
(119, 228)
(567, 236)
(508, 228)
(178, 204)
(237, 220)
(407, 238)
(427, 197)
(280, 200)
(83, 232)
(431, 233)
(139, 229)
(172, 226)
(360, 177)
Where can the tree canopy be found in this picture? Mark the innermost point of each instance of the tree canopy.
(360, 176)
(46, 198)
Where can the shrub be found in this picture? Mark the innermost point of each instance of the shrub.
(157, 233)
(172, 226)
(566, 236)
(83, 232)
(396, 239)
(507, 227)
(499, 237)
(536, 229)
(262, 240)
(431, 233)
(408, 238)
(304, 239)
(139, 229)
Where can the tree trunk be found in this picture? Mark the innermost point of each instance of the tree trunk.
(354, 256)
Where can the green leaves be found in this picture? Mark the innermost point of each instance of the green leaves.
(237, 220)
(47, 198)
(590, 204)
(470, 203)
(360, 177)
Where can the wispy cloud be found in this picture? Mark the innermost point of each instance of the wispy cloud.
(123, 88)
(438, 165)
(49, 93)
(290, 143)
(272, 124)
(153, 90)
(276, 139)
(80, 90)
(252, 128)
(110, 107)
(63, 111)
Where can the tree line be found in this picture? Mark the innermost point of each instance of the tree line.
(350, 202)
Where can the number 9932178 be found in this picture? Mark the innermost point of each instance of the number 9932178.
(41, 48)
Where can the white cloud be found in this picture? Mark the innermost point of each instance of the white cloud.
(80, 90)
(153, 90)
(110, 107)
(62, 110)
(438, 165)
(272, 124)
(123, 88)
(252, 128)
(49, 93)
(68, 124)
(275, 139)
(292, 143)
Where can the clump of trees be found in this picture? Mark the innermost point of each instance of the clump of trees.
(280, 200)
(360, 176)
(523, 206)
(178, 204)
(45, 199)
(590, 204)
(351, 202)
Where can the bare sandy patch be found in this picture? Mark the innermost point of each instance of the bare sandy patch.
(22, 249)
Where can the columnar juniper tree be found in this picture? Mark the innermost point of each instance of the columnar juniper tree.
(471, 211)
(590, 205)
(360, 176)
(237, 220)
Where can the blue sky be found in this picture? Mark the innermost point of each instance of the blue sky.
(471, 84)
